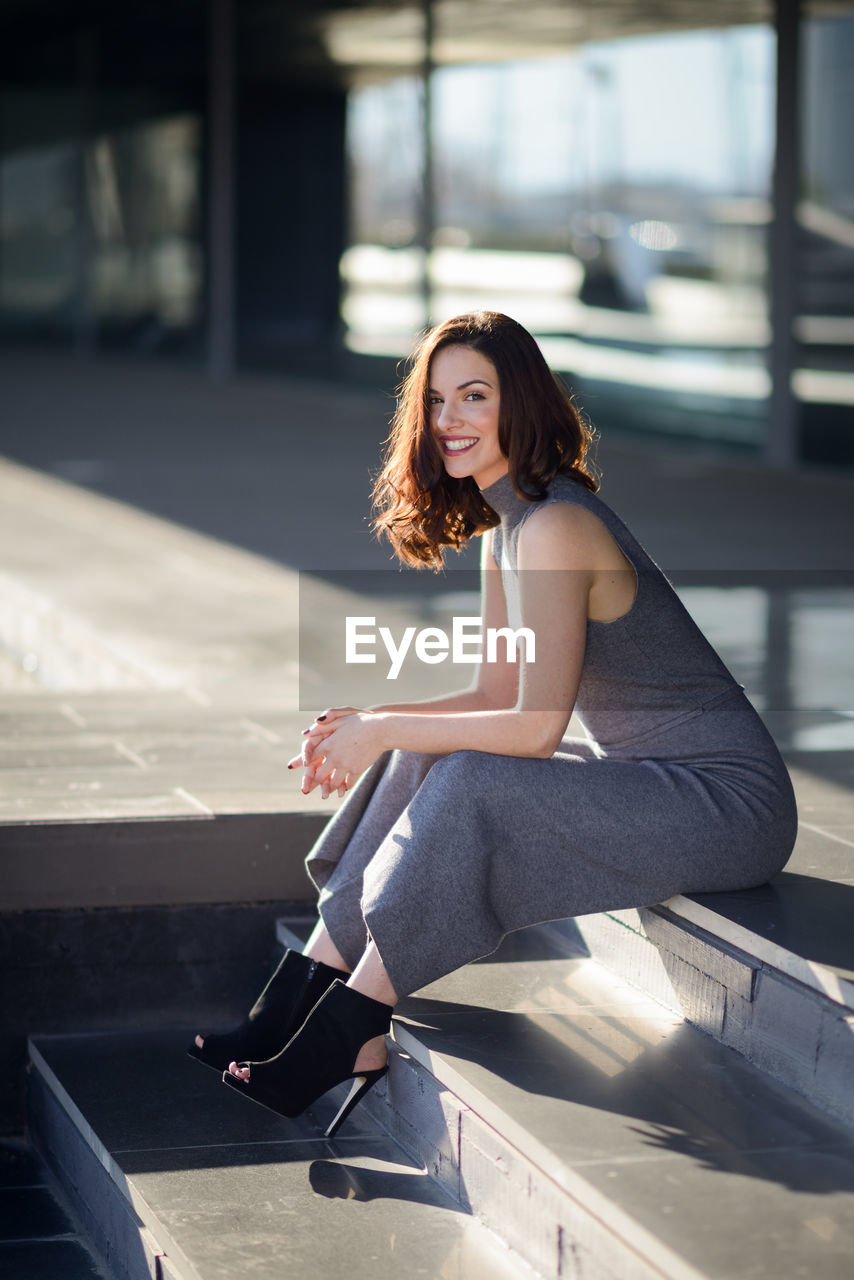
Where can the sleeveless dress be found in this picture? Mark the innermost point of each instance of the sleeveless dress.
(678, 788)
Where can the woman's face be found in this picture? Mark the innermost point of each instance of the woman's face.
(464, 398)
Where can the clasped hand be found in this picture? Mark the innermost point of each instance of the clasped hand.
(341, 744)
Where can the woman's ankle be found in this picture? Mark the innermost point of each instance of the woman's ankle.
(372, 1055)
(370, 977)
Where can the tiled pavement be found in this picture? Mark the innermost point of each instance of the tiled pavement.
(147, 670)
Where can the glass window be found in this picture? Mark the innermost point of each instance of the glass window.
(142, 187)
(108, 233)
(382, 270)
(611, 194)
(38, 238)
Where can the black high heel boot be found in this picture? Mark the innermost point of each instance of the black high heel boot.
(280, 1010)
(319, 1056)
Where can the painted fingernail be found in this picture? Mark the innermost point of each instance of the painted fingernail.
(321, 717)
(305, 731)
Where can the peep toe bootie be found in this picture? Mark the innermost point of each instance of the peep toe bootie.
(320, 1056)
(280, 1010)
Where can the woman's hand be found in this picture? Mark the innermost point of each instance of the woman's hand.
(341, 744)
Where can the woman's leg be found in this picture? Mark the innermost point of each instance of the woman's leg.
(370, 978)
(353, 845)
(493, 843)
(349, 841)
(340, 938)
(321, 947)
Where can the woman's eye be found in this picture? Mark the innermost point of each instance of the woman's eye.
(474, 395)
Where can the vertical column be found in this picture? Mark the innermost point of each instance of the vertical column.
(427, 209)
(779, 658)
(782, 447)
(84, 320)
(221, 191)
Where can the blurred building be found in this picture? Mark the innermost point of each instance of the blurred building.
(663, 193)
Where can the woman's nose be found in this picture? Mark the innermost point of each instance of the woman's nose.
(448, 414)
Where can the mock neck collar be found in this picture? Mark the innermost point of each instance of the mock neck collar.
(505, 501)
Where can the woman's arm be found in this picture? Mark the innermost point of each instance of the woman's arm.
(527, 707)
(554, 591)
(495, 684)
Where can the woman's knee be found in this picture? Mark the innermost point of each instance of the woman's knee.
(464, 767)
(410, 763)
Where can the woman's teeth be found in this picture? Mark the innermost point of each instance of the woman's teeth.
(457, 446)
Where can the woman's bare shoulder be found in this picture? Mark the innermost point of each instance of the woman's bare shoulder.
(567, 535)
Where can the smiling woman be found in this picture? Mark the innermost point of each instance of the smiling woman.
(464, 401)
(474, 814)
(422, 506)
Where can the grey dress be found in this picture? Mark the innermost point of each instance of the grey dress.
(678, 788)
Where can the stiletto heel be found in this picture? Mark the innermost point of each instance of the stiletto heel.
(282, 1007)
(361, 1084)
(320, 1056)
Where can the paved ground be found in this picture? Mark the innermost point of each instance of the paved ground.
(147, 670)
(281, 467)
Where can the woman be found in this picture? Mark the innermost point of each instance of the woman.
(473, 815)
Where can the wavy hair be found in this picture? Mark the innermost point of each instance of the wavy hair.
(418, 506)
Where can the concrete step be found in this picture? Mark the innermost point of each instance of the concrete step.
(768, 972)
(602, 1136)
(39, 1238)
(534, 1096)
(177, 1178)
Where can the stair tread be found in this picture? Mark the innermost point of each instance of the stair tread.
(610, 1093)
(226, 1189)
(704, 1165)
(38, 1237)
(799, 923)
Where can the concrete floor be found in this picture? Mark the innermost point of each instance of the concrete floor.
(157, 543)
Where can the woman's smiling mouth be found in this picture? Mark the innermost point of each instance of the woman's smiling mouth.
(458, 444)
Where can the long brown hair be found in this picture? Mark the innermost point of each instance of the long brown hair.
(419, 507)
